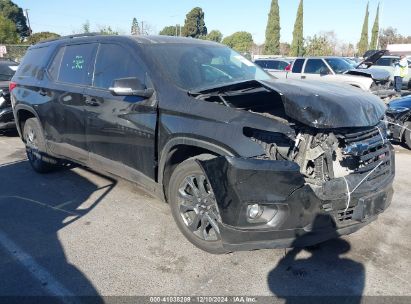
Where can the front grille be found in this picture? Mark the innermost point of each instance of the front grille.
(345, 215)
(371, 149)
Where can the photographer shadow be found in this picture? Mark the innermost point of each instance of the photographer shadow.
(323, 275)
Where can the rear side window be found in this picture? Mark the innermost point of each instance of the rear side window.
(298, 66)
(273, 65)
(33, 62)
(261, 63)
(282, 65)
(114, 62)
(76, 64)
(316, 66)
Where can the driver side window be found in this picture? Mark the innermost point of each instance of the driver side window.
(316, 66)
(114, 62)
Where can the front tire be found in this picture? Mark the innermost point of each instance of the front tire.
(36, 147)
(407, 134)
(194, 207)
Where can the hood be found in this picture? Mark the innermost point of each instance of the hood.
(374, 73)
(401, 103)
(371, 57)
(328, 106)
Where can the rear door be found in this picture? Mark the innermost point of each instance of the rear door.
(297, 69)
(71, 71)
(121, 130)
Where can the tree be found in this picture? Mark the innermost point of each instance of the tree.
(375, 31)
(319, 45)
(391, 36)
(106, 30)
(135, 28)
(214, 35)
(171, 30)
(240, 41)
(86, 27)
(15, 13)
(194, 25)
(297, 46)
(363, 44)
(37, 37)
(272, 33)
(8, 31)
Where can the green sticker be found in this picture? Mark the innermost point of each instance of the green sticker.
(78, 63)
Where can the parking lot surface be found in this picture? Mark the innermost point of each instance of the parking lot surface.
(75, 232)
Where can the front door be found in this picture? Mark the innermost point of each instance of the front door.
(121, 130)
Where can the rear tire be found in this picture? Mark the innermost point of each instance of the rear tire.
(407, 134)
(193, 205)
(36, 147)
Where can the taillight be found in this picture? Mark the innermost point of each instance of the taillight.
(288, 68)
(12, 86)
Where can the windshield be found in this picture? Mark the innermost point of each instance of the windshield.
(7, 71)
(195, 67)
(339, 65)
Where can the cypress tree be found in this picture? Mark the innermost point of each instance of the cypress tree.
(135, 28)
(272, 33)
(363, 44)
(375, 30)
(297, 46)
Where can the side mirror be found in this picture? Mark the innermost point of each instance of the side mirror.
(130, 87)
(324, 72)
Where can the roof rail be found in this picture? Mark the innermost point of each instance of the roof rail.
(70, 37)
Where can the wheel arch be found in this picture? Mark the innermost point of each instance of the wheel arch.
(180, 149)
(23, 113)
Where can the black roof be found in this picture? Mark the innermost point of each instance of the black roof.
(139, 39)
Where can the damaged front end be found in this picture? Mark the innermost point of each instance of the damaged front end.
(304, 188)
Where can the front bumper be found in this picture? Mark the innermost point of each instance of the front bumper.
(302, 214)
(7, 119)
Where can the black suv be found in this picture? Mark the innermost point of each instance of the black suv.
(244, 161)
(7, 70)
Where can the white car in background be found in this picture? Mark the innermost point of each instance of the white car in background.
(274, 66)
(338, 70)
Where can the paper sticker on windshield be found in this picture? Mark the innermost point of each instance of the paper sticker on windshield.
(13, 67)
(78, 63)
(244, 60)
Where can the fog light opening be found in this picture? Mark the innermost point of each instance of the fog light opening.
(254, 211)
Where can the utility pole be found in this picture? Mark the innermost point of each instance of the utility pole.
(142, 28)
(28, 21)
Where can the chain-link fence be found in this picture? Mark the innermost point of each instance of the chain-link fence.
(13, 51)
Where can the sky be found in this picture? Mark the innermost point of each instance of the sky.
(344, 17)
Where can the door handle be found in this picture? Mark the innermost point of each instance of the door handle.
(303, 77)
(91, 101)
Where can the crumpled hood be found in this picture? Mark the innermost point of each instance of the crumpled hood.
(328, 106)
(374, 73)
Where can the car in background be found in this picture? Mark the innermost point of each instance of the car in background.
(7, 70)
(338, 70)
(387, 63)
(274, 66)
(399, 120)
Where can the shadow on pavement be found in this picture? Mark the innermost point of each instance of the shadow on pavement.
(33, 209)
(322, 277)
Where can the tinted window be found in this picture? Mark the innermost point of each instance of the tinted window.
(32, 62)
(282, 65)
(7, 70)
(114, 62)
(384, 62)
(273, 65)
(316, 66)
(298, 66)
(76, 65)
(261, 63)
(54, 68)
